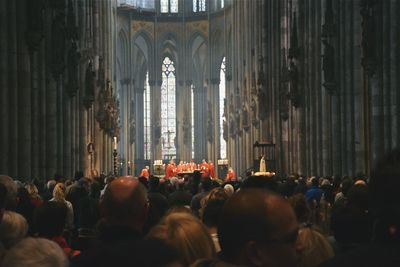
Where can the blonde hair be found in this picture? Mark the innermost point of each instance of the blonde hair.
(59, 192)
(315, 247)
(13, 228)
(187, 235)
(32, 190)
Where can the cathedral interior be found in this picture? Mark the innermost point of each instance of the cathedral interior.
(113, 85)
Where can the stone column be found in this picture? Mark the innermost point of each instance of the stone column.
(13, 90)
(4, 92)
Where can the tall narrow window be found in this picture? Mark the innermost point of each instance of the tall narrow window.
(222, 3)
(222, 115)
(169, 6)
(173, 6)
(192, 117)
(199, 5)
(168, 110)
(164, 6)
(146, 119)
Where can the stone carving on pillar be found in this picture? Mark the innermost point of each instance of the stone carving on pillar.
(245, 121)
(132, 123)
(101, 77)
(283, 92)
(232, 128)
(328, 66)
(328, 63)
(108, 111)
(225, 129)
(293, 72)
(210, 123)
(238, 130)
(73, 69)
(232, 117)
(254, 113)
(34, 33)
(294, 94)
(90, 86)
(368, 61)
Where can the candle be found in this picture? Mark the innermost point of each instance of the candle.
(115, 143)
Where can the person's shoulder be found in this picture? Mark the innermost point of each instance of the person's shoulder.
(367, 256)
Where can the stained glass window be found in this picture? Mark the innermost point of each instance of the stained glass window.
(199, 5)
(168, 110)
(174, 6)
(146, 119)
(222, 115)
(192, 117)
(164, 6)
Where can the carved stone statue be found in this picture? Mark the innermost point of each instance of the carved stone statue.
(132, 123)
(328, 63)
(225, 130)
(253, 112)
(89, 82)
(293, 79)
(210, 123)
(263, 165)
(245, 117)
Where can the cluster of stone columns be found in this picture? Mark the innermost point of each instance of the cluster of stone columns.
(342, 115)
(45, 49)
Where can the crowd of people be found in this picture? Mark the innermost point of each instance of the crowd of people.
(199, 220)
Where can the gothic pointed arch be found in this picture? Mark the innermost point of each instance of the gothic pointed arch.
(217, 53)
(122, 54)
(143, 42)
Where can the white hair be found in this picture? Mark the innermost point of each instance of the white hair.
(229, 189)
(13, 228)
(35, 252)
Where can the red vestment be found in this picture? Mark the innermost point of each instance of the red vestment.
(144, 173)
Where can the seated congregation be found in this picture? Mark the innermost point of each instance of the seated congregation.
(199, 221)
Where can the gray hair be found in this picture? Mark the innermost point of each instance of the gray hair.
(35, 252)
(13, 228)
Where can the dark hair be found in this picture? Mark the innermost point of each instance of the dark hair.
(3, 194)
(153, 182)
(206, 183)
(260, 182)
(243, 218)
(124, 209)
(212, 212)
(78, 175)
(384, 186)
(49, 219)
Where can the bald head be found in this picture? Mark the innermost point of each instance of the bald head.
(125, 202)
(253, 215)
